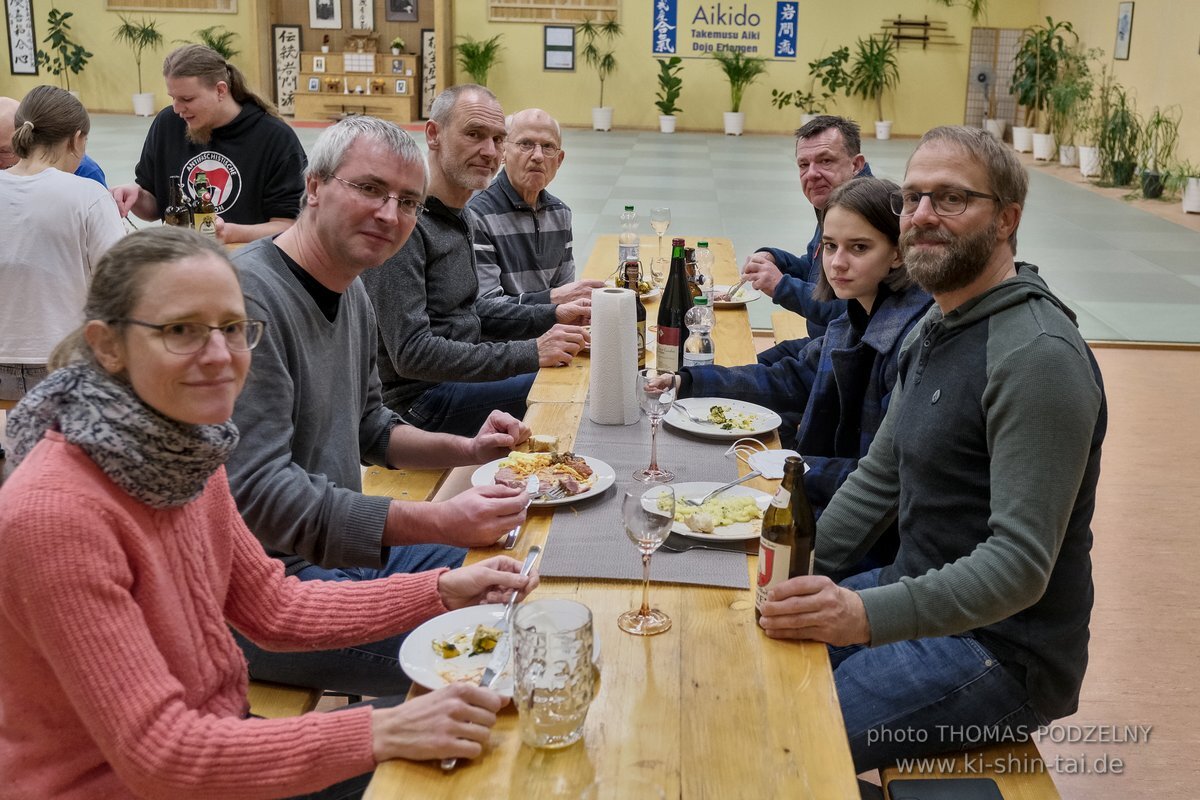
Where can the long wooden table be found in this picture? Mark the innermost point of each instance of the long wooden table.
(710, 709)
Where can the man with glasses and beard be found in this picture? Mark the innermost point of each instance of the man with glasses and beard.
(522, 232)
(988, 458)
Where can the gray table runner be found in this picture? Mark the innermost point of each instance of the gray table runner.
(587, 539)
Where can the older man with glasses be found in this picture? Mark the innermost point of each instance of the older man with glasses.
(522, 232)
(447, 355)
(311, 413)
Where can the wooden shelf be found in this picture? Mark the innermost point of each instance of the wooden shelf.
(334, 85)
(918, 31)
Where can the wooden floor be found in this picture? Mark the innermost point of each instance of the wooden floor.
(1146, 622)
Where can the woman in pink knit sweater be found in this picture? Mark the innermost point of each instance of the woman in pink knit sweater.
(123, 561)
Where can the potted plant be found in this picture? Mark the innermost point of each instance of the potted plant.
(325, 43)
(669, 87)
(603, 60)
(1086, 126)
(139, 36)
(69, 57)
(478, 57)
(829, 72)
(1185, 176)
(397, 45)
(218, 38)
(1035, 70)
(873, 72)
(1118, 135)
(741, 70)
(1160, 136)
(1073, 88)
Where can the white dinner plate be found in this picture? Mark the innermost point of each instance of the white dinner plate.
(764, 419)
(736, 531)
(746, 294)
(655, 291)
(603, 476)
(428, 669)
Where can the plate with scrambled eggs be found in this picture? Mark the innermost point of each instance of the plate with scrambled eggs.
(735, 513)
(724, 418)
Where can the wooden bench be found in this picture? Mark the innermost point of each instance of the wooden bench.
(275, 700)
(1018, 770)
(788, 325)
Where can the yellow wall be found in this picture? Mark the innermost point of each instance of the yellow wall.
(932, 88)
(108, 81)
(1163, 61)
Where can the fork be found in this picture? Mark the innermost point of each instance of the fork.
(555, 493)
(691, 501)
(684, 410)
(531, 487)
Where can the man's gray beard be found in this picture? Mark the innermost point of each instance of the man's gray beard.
(199, 135)
(963, 260)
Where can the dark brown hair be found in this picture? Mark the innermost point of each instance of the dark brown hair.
(867, 197)
(851, 136)
(198, 61)
(45, 118)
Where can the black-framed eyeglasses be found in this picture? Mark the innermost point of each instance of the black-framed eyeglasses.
(946, 202)
(548, 150)
(186, 338)
(376, 194)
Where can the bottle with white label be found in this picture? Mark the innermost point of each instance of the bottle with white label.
(788, 532)
(698, 348)
(629, 242)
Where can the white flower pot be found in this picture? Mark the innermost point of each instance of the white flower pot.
(324, 48)
(883, 129)
(1191, 196)
(1068, 155)
(1022, 139)
(807, 118)
(395, 51)
(735, 123)
(1089, 161)
(602, 118)
(995, 127)
(666, 123)
(143, 104)
(1044, 148)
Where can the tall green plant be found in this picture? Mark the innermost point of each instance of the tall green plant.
(874, 69)
(1118, 134)
(829, 71)
(218, 38)
(1037, 65)
(669, 85)
(601, 58)
(66, 56)
(1160, 137)
(1072, 93)
(139, 36)
(478, 57)
(741, 70)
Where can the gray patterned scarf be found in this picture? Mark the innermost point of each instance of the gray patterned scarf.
(158, 461)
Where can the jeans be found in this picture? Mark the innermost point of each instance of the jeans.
(17, 379)
(372, 668)
(462, 408)
(925, 696)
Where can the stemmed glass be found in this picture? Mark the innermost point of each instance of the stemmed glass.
(655, 399)
(660, 220)
(647, 515)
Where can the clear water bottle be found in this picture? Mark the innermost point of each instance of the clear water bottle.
(704, 270)
(629, 241)
(698, 349)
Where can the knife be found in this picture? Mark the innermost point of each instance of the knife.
(503, 650)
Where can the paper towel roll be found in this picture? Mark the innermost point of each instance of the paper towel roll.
(612, 398)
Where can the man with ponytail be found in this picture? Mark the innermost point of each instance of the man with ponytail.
(217, 127)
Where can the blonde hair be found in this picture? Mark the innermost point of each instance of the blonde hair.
(47, 117)
(198, 61)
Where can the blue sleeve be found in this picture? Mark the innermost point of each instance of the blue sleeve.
(795, 290)
(782, 387)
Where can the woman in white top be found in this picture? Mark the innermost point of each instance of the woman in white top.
(54, 226)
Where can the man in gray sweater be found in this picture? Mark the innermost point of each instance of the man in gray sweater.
(988, 458)
(311, 412)
(448, 357)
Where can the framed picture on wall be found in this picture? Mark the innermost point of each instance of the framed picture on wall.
(401, 10)
(397, 66)
(286, 44)
(325, 14)
(318, 63)
(314, 84)
(1124, 31)
(22, 50)
(558, 47)
(401, 87)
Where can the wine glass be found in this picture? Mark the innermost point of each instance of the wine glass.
(647, 515)
(660, 220)
(656, 392)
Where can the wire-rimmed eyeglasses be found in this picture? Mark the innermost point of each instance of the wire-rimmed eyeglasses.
(370, 191)
(548, 150)
(946, 202)
(186, 338)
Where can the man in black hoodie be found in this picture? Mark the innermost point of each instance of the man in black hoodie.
(988, 458)
(216, 127)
